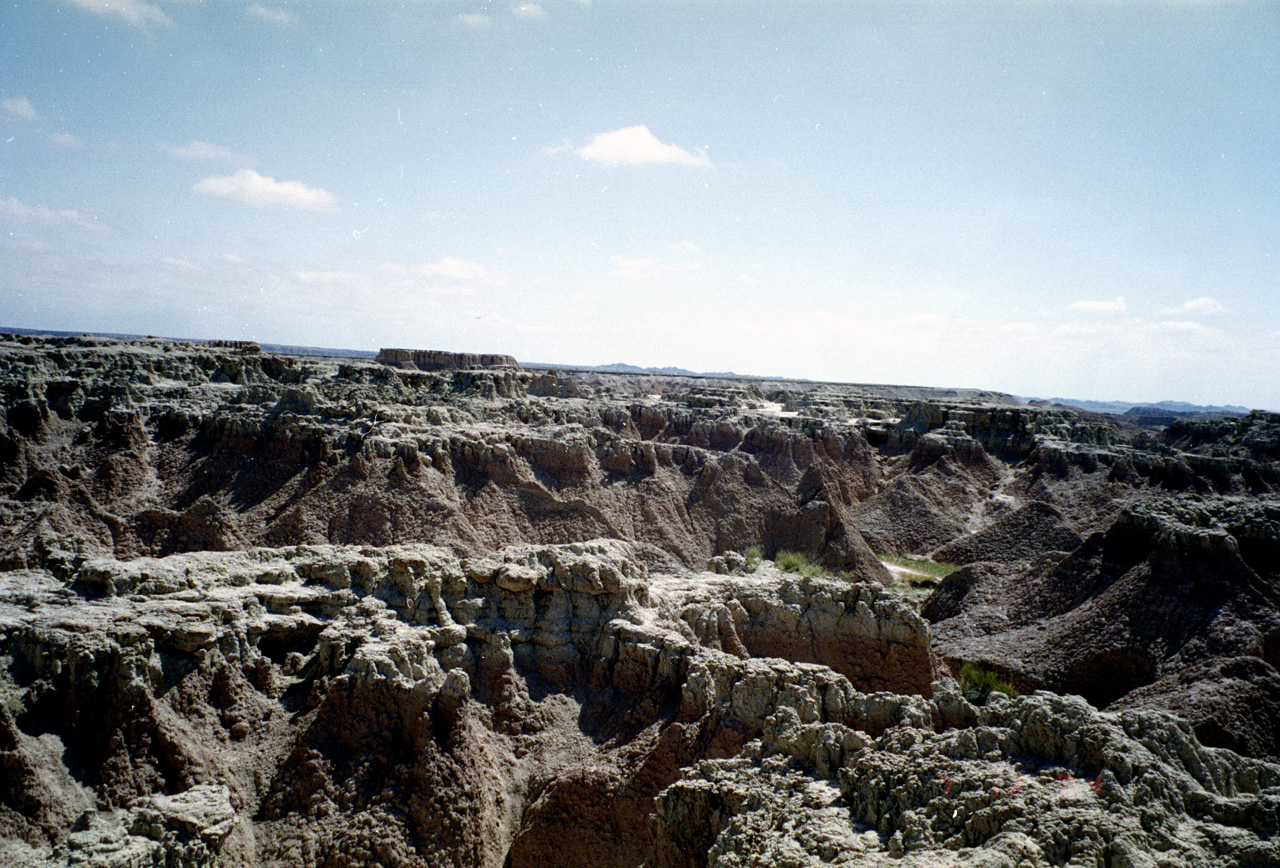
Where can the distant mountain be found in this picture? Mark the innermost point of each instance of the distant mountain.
(1121, 408)
(332, 352)
(624, 368)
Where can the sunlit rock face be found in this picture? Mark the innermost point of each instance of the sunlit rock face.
(404, 700)
(268, 610)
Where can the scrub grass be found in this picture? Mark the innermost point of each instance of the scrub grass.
(977, 684)
(794, 562)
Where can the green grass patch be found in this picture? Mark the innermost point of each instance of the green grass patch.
(12, 696)
(977, 684)
(752, 555)
(794, 562)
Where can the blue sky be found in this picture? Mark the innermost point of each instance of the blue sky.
(1046, 198)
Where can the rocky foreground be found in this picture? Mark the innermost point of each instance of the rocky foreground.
(268, 610)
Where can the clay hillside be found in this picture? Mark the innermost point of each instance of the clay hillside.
(443, 610)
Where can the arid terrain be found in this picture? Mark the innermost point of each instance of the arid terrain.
(272, 610)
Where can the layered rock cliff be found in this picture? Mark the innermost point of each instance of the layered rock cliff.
(269, 610)
(400, 703)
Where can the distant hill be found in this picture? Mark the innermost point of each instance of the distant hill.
(332, 352)
(287, 349)
(1168, 408)
(624, 368)
(1150, 412)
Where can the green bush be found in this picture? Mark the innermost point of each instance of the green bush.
(794, 562)
(977, 684)
(752, 555)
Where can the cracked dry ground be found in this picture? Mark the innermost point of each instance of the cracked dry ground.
(270, 610)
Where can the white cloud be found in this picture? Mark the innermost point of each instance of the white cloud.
(636, 270)
(1202, 305)
(249, 187)
(66, 140)
(276, 16)
(19, 108)
(1116, 305)
(1155, 360)
(473, 19)
(135, 12)
(1184, 326)
(641, 270)
(13, 211)
(687, 247)
(196, 150)
(448, 268)
(1017, 328)
(529, 10)
(633, 146)
(23, 241)
(183, 265)
(326, 277)
(456, 269)
(925, 320)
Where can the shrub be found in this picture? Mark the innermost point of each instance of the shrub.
(752, 555)
(794, 562)
(977, 684)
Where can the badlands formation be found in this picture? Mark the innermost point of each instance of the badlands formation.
(262, 610)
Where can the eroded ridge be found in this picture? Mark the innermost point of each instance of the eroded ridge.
(279, 610)
(404, 703)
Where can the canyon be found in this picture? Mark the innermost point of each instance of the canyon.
(444, 610)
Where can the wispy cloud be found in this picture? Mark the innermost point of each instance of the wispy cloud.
(636, 270)
(473, 19)
(19, 108)
(66, 140)
(643, 270)
(15, 212)
(632, 146)
(250, 188)
(1115, 305)
(276, 16)
(1199, 306)
(1185, 326)
(182, 265)
(135, 12)
(448, 268)
(529, 10)
(197, 151)
(327, 278)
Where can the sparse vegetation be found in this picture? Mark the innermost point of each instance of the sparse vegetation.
(12, 696)
(15, 702)
(977, 684)
(933, 569)
(794, 562)
(752, 555)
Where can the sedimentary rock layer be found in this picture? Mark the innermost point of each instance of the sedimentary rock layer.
(272, 610)
(325, 686)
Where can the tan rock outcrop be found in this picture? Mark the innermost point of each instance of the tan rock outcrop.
(1038, 780)
(440, 360)
(289, 674)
